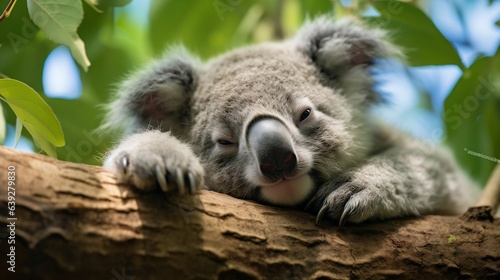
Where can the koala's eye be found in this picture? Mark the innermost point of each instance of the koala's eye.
(305, 115)
(224, 142)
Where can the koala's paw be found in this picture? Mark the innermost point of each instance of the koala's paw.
(352, 202)
(147, 164)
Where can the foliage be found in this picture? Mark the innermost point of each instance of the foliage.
(33, 113)
(59, 20)
(411, 27)
(472, 112)
(98, 32)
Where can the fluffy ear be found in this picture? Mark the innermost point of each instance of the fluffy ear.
(157, 96)
(344, 51)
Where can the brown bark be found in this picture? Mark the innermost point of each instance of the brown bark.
(75, 222)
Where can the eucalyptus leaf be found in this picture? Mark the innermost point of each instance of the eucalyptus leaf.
(3, 126)
(93, 5)
(19, 129)
(42, 142)
(415, 32)
(471, 118)
(33, 112)
(492, 119)
(59, 20)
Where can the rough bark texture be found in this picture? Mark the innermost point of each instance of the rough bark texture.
(75, 222)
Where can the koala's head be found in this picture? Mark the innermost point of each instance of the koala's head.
(271, 121)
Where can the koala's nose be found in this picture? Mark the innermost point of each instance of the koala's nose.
(272, 145)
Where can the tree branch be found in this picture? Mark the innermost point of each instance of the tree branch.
(8, 9)
(75, 222)
(491, 192)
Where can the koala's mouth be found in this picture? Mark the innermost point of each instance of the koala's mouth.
(288, 191)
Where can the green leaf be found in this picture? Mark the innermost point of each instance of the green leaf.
(93, 5)
(3, 126)
(19, 129)
(59, 20)
(471, 117)
(33, 112)
(42, 142)
(492, 120)
(413, 30)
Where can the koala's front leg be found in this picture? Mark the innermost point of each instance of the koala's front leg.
(398, 182)
(151, 159)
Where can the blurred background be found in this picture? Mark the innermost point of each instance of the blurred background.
(433, 96)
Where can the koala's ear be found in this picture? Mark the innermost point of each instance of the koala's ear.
(157, 96)
(344, 51)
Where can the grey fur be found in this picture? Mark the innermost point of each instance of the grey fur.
(348, 167)
(175, 74)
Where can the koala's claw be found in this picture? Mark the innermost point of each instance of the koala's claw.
(321, 213)
(343, 219)
(185, 182)
(343, 203)
(180, 181)
(192, 183)
(160, 178)
(162, 162)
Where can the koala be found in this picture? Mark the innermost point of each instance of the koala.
(283, 123)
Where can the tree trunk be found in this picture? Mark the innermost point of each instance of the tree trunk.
(73, 221)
